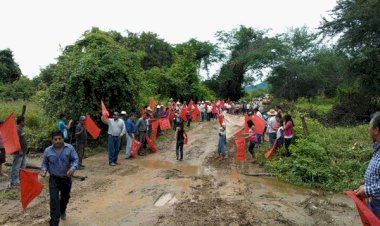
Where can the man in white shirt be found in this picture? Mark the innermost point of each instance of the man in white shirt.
(116, 130)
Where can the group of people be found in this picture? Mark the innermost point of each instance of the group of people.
(61, 159)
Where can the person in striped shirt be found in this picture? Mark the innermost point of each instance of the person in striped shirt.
(371, 187)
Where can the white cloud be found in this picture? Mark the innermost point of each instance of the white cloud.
(33, 30)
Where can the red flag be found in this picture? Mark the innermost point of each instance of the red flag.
(195, 113)
(154, 128)
(222, 103)
(366, 215)
(271, 151)
(135, 147)
(164, 123)
(259, 124)
(150, 143)
(152, 104)
(105, 112)
(240, 148)
(185, 140)
(183, 114)
(246, 128)
(238, 133)
(91, 127)
(221, 119)
(190, 105)
(9, 134)
(213, 109)
(30, 187)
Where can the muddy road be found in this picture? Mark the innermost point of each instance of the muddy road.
(159, 190)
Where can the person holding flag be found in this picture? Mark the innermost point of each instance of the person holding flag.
(60, 160)
(2, 154)
(19, 157)
(81, 139)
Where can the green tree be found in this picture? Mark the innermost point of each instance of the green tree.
(96, 67)
(357, 25)
(9, 69)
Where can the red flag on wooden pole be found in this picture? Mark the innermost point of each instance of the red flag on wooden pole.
(150, 143)
(30, 187)
(259, 124)
(91, 127)
(105, 112)
(366, 215)
(154, 128)
(271, 151)
(9, 135)
(240, 148)
(135, 147)
(183, 114)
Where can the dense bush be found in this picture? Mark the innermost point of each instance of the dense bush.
(332, 159)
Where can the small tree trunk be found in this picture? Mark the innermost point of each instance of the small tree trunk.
(304, 126)
(23, 110)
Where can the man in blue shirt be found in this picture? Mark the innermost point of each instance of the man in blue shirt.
(130, 127)
(371, 187)
(63, 127)
(60, 160)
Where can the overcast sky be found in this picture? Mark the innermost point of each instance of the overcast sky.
(35, 30)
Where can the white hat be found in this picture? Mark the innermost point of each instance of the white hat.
(123, 113)
(158, 106)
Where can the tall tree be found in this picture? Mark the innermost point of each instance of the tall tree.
(9, 69)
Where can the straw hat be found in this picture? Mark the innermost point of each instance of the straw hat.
(272, 112)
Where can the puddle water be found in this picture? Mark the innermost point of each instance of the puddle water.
(183, 167)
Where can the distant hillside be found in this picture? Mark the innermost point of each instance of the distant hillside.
(251, 88)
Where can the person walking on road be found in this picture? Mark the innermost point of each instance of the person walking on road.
(81, 139)
(180, 136)
(60, 160)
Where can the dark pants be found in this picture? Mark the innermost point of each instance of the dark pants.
(141, 139)
(179, 149)
(287, 143)
(113, 148)
(59, 189)
(188, 122)
(80, 151)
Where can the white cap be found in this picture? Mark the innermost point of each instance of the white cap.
(123, 113)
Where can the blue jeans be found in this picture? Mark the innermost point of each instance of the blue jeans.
(272, 138)
(129, 145)
(259, 139)
(221, 146)
(179, 149)
(374, 206)
(19, 161)
(113, 148)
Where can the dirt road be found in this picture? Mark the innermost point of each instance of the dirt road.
(159, 190)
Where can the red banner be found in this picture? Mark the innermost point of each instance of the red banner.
(152, 104)
(183, 114)
(91, 127)
(221, 119)
(259, 124)
(9, 135)
(195, 114)
(238, 133)
(213, 110)
(240, 148)
(154, 128)
(164, 123)
(30, 187)
(271, 151)
(246, 128)
(105, 112)
(366, 215)
(150, 143)
(135, 147)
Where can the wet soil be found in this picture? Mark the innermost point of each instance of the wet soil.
(200, 190)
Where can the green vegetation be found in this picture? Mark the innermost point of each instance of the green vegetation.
(319, 105)
(330, 158)
(38, 125)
